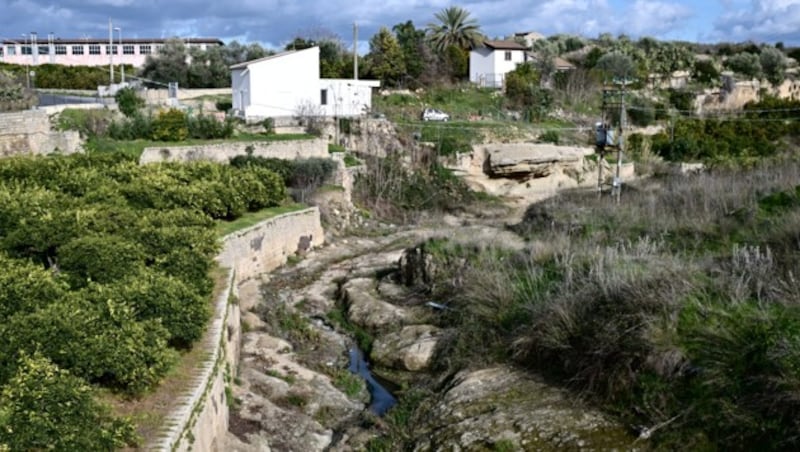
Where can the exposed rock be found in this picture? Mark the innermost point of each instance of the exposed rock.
(527, 160)
(485, 407)
(411, 348)
(367, 310)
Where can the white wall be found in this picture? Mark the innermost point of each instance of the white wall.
(480, 63)
(347, 97)
(279, 85)
(488, 67)
(240, 82)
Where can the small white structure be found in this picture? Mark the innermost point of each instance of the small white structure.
(346, 97)
(288, 84)
(489, 64)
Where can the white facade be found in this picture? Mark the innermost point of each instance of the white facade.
(277, 85)
(345, 97)
(488, 65)
(88, 52)
(288, 84)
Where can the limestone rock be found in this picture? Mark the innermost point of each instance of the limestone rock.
(367, 310)
(528, 161)
(487, 406)
(411, 348)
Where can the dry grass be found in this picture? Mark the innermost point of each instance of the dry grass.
(678, 308)
(149, 412)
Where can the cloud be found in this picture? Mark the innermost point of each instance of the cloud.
(655, 18)
(760, 21)
(274, 22)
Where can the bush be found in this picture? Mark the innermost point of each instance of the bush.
(128, 101)
(90, 123)
(46, 408)
(170, 125)
(269, 126)
(641, 112)
(549, 136)
(205, 127)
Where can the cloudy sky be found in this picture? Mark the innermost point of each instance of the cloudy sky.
(274, 22)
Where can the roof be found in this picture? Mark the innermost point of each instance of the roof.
(560, 63)
(504, 45)
(268, 57)
(42, 41)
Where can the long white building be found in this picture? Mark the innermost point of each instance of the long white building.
(31, 50)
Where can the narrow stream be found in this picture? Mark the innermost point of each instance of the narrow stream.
(382, 399)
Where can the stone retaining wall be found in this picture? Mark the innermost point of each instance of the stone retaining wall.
(28, 132)
(200, 419)
(223, 152)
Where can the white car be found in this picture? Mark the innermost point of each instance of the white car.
(432, 114)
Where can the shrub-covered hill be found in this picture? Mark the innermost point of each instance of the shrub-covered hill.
(678, 309)
(104, 278)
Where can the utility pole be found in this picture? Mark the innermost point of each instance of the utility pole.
(110, 53)
(355, 51)
(617, 184)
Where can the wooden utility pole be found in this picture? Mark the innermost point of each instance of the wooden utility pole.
(355, 51)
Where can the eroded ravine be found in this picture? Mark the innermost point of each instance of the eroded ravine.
(295, 392)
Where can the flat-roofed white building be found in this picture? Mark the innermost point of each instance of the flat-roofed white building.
(88, 51)
(288, 84)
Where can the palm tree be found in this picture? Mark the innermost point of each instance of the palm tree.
(455, 28)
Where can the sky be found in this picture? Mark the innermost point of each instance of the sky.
(273, 23)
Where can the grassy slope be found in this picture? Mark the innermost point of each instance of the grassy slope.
(677, 309)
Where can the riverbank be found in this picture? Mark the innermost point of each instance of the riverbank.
(301, 322)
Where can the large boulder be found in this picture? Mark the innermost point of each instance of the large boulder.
(411, 348)
(366, 309)
(531, 161)
(502, 407)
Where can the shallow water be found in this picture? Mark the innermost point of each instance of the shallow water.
(382, 399)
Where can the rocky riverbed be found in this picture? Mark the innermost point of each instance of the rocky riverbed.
(303, 322)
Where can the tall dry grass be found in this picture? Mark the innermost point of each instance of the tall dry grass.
(678, 309)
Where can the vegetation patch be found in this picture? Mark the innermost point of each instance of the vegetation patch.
(107, 275)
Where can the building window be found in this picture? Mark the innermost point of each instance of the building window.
(61, 50)
(94, 49)
(323, 97)
(144, 50)
(1, 51)
(44, 50)
(111, 50)
(508, 55)
(77, 50)
(27, 50)
(11, 50)
(127, 50)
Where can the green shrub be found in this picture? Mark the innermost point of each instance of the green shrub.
(128, 101)
(549, 136)
(44, 407)
(206, 127)
(269, 126)
(170, 125)
(90, 123)
(101, 259)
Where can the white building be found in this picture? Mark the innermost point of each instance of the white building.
(489, 64)
(30, 51)
(288, 84)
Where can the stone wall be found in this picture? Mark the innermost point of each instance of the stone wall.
(152, 96)
(268, 244)
(200, 419)
(223, 152)
(28, 132)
